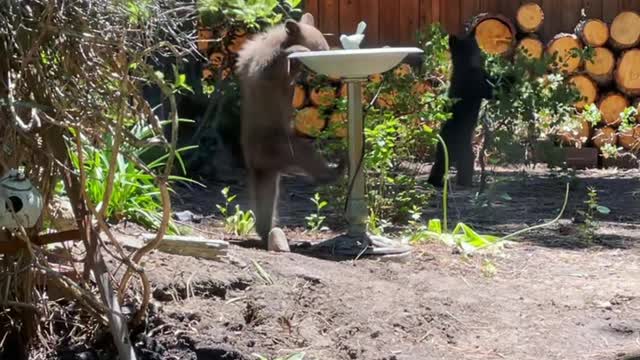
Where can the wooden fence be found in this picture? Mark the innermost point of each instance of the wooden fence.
(395, 22)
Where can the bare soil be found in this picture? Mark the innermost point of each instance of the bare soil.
(552, 295)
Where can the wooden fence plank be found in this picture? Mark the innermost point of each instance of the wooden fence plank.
(329, 21)
(395, 22)
(610, 9)
(370, 13)
(426, 13)
(389, 22)
(593, 8)
(570, 15)
(311, 6)
(629, 5)
(409, 21)
(451, 16)
(508, 8)
(468, 9)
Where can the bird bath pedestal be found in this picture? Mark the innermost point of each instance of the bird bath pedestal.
(353, 67)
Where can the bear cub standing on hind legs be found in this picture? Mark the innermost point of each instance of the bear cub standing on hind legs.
(469, 85)
(269, 144)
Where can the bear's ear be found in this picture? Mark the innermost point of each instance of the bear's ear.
(292, 27)
(308, 19)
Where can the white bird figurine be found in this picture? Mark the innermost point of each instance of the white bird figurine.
(353, 41)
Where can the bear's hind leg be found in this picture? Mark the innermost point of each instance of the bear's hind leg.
(264, 195)
(313, 164)
(464, 165)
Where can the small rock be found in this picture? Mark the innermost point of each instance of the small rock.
(278, 241)
(605, 305)
(184, 216)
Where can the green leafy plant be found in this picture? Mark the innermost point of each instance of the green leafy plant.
(463, 237)
(134, 195)
(528, 102)
(314, 221)
(628, 119)
(241, 222)
(610, 151)
(592, 114)
(254, 14)
(590, 225)
(376, 225)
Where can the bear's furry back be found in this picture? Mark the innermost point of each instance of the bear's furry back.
(260, 52)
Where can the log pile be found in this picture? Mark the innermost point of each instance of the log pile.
(610, 79)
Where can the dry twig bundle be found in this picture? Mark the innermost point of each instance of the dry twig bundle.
(71, 72)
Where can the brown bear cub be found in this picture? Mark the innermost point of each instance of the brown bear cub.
(269, 144)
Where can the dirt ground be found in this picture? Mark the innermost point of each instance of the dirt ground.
(551, 296)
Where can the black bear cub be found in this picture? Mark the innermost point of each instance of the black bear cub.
(270, 146)
(469, 85)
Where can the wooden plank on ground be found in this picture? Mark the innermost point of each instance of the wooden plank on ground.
(191, 246)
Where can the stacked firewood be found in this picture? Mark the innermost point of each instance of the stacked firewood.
(610, 79)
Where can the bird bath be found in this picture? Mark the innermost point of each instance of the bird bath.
(354, 66)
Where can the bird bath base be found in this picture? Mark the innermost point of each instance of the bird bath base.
(353, 67)
(363, 245)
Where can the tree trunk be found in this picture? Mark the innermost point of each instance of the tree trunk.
(630, 139)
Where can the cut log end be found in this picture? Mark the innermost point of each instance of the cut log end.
(630, 139)
(309, 122)
(564, 46)
(495, 33)
(593, 32)
(611, 105)
(627, 73)
(625, 30)
(601, 66)
(588, 90)
(323, 96)
(299, 97)
(338, 122)
(530, 17)
(531, 47)
(578, 136)
(605, 136)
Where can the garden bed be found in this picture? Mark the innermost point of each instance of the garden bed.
(551, 296)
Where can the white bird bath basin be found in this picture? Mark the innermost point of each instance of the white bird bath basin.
(354, 66)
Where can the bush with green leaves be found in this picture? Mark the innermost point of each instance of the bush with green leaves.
(399, 136)
(529, 101)
(135, 196)
(253, 14)
(240, 222)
